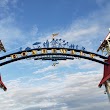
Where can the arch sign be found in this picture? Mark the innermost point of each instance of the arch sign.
(58, 49)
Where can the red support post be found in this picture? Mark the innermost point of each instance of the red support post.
(106, 74)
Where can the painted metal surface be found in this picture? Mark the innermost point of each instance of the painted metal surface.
(48, 53)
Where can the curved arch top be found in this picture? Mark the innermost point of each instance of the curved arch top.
(52, 54)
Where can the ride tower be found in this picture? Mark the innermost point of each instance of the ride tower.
(105, 49)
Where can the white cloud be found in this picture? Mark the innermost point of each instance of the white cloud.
(49, 68)
(34, 30)
(6, 6)
(74, 91)
(102, 3)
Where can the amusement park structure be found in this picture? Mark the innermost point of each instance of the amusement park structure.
(105, 48)
(2, 84)
(58, 49)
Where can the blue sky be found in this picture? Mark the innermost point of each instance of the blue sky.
(36, 85)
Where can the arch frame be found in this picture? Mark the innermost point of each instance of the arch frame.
(66, 53)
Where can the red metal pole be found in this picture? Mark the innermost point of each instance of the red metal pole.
(106, 74)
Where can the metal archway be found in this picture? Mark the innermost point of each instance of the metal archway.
(53, 54)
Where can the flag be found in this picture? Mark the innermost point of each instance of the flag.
(55, 34)
(2, 47)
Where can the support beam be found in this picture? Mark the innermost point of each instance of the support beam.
(106, 78)
(106, 74)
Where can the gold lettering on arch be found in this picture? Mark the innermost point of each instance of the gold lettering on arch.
(23, 54)
(44, 51)
(14, 56)
(81, 53)
(34, 52)
(92, 55)
(63, 51)
(54, 51)
(73, 52)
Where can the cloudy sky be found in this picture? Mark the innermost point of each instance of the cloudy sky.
(37, 85)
